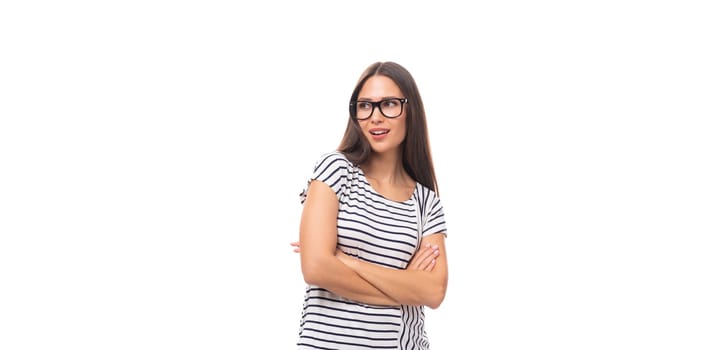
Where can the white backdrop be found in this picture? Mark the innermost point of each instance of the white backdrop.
(152, 152)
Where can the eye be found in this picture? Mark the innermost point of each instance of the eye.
(390, 103)
(363, 105)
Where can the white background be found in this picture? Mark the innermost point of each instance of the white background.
(152, 152)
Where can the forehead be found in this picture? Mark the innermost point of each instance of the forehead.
(379, 86)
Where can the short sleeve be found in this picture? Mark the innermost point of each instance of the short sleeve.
(433, 215)
(334, 170)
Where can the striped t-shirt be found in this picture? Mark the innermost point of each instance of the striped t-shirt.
(380, 231)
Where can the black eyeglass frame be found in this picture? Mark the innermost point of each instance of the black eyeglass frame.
(374, 105)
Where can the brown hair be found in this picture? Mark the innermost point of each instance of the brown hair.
(415, 154)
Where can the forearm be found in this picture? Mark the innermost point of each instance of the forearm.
(423, 282)
(408, 287)
(330, 273)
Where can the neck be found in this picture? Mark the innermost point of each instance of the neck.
(387, 167)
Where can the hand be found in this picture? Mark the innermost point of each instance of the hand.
(296, 247)
(425, 258)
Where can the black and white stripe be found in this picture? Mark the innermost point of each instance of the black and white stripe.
(378, 230)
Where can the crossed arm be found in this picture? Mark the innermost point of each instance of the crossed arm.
(424, 282)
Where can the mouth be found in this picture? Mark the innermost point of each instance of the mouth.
(379, 132)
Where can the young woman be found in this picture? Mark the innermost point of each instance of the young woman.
(372, 229)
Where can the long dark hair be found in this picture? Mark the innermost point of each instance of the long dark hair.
(415, 154)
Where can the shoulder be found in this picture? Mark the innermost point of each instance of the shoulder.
(427, 199)
(334, 170)
(333, 158)
(426, 194)
(432, 212)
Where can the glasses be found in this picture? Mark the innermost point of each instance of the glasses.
(389, 107)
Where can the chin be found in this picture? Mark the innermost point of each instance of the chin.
(381, 149)
(388, 145)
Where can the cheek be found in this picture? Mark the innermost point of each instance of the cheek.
(402, 127)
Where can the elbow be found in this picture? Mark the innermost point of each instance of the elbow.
(312, 273)
(436, 297)
(317, 268)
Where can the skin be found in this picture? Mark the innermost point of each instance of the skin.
(424, 281)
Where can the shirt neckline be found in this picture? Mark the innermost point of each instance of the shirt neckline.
(374, 191)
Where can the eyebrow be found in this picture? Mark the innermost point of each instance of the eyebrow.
(372, 100)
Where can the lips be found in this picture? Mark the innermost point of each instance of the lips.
(378, 133)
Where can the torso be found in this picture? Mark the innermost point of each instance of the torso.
(377, 222)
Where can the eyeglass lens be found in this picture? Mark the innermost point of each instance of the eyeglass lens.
(390, 108)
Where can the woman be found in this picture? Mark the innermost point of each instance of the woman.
(372, 229)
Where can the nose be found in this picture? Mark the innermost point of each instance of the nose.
(377, 116)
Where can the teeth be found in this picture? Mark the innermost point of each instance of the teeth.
(379, 132)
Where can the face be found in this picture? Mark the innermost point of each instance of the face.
(384, 134)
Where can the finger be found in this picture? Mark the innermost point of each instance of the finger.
(430, 267)
(424, 257)
(431, 259)
(296, 246)
(427, 264)
(418, 258)
(422, 251)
